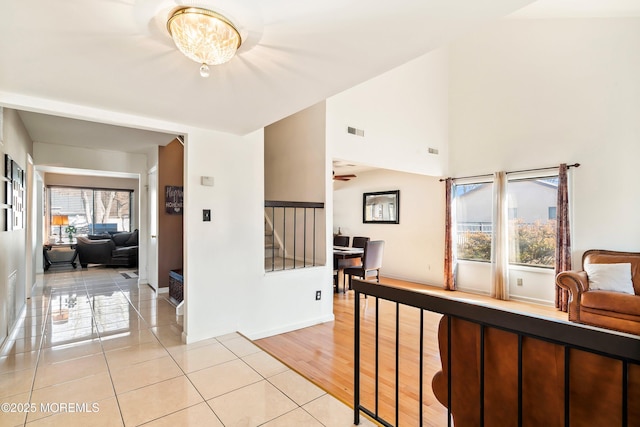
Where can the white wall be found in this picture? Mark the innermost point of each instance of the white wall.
(536, 93)
(294, 157)
(13, 244)
(225, 283)
(414, 249)
(223, 258)
(402, 112)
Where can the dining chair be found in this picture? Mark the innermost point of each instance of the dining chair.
(358, 242)
(371, 262)
(340, 240)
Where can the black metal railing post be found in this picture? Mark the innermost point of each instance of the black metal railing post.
(284, 237)
(482, 375)
(273, 238)
(421, 369)
(449, 386)
(356, 367)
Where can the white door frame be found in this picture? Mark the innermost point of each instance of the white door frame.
(152, 253)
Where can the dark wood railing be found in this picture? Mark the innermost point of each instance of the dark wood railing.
(624, 349)
(294, 225)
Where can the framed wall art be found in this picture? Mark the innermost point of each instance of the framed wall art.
(382, 207)
(13, 208)
(173, 199)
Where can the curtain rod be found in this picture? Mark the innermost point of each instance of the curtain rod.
(575, 165)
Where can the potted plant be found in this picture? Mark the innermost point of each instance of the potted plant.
(70, 230)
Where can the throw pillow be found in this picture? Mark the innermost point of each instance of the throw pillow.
(120, 238)
(133, 239)
(610, 277)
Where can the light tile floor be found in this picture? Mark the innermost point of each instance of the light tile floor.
(95, 348)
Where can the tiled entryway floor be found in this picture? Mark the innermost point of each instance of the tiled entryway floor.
(95, 348)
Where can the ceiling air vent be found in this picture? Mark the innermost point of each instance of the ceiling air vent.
(354, 131)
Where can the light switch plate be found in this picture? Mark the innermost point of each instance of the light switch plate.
(206, 214)
(207, 181)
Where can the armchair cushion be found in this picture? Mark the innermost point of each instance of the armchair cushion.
(615, 302)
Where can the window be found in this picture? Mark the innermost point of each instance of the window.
(90, 210)
(473, 220)
(531, 212)
(532, 230)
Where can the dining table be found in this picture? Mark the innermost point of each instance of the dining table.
(344, 252)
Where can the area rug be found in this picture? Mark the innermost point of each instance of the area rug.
(133, 274)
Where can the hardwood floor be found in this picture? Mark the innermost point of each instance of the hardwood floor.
(324, 353)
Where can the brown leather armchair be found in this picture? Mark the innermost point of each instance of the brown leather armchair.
(603, 308)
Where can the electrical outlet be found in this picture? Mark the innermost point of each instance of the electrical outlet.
(318, 295)
(519, 281)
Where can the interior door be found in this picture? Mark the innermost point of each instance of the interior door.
(152, 261)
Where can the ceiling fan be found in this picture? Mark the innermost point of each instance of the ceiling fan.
(343, 177)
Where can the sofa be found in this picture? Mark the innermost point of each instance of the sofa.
(111, 249)
(606, 292)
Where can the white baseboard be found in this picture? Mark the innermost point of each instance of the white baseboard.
(288, 328)
(411, 279)
(532, 300)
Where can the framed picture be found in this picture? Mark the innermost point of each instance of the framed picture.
(8, 194)
(1, 126)
(173, 198)
(8, 170)
(17, 172)
(382, 207)
(8, 220)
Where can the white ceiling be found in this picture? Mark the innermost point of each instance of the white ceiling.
(61, 130)
(116, 55)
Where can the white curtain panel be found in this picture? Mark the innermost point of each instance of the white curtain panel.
(499, 246)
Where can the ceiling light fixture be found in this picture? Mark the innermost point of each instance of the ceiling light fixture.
(203, 36)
